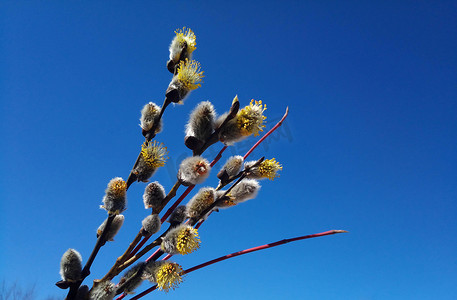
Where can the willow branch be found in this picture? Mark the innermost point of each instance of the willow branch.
(242, 252)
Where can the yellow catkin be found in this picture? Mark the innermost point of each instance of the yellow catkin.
(154, 155)
(189, 74)
(117, 186)
(168, 276)
(250, 118)
(187, 240)
(269, 168)
(188, 36)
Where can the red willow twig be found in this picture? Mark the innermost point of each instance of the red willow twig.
(242, 252)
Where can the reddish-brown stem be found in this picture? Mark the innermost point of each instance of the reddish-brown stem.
(242, 252)
(268, 133)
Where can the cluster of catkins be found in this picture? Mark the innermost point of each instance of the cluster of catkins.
(203, 129)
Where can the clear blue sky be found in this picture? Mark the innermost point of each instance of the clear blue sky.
(369, 146)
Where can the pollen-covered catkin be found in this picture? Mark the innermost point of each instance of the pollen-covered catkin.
(70, 266)
(247, 121)
(153, 155)
(115, 200)
(178, 215)
(182, 45)
(154, 193)
(149, 117)
(133, 278)
(116, 225)
(165, 274)
(187, 79)
(266, 169)
(182, 239)
(105, 290)
(201, 201)
(151, 224)
(246, 189)
(193, 170)
(201, 121)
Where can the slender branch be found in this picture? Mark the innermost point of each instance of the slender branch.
(112, 272)
(242, 252)
(137, 256)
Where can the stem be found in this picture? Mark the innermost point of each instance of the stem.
(242, 252)
(134, 258)
(112, 272)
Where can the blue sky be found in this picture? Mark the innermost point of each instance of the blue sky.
(369, 145)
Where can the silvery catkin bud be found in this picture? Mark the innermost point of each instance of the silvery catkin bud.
(105, 290)
(149, 116)
(232, 167)
(178, 215)
(201, 201)
(133, 278)
(115, 200)
(70, 266)
(182, 239)
(154, 193)
(113, 229)
(246, 189)
(193, 170)
(201, 121)
(151, 224)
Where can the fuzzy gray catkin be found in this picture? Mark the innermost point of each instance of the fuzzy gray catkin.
(133, 278)
(71, 266)
(105, 290)
(246, 189)
(201, 201)
(149, 116)
(154, 193)
(233, 165)
(178, 215)
(151, 224)
(193, 170)
(201, 121)
(116, 225)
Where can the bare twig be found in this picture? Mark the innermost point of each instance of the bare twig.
(242, 252)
